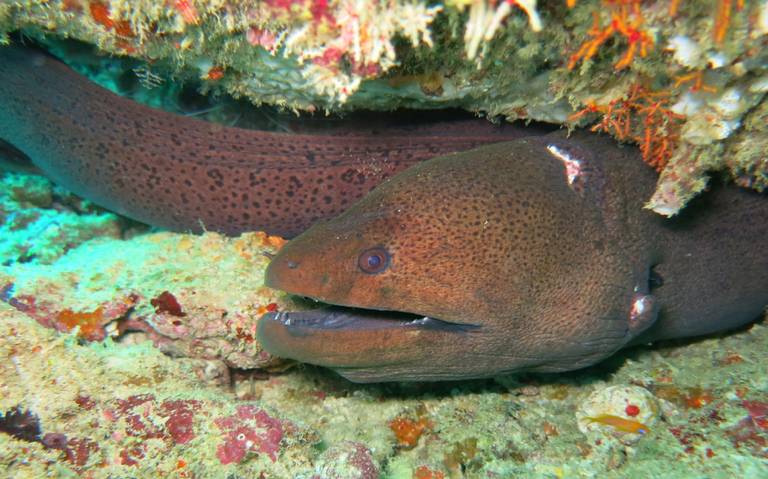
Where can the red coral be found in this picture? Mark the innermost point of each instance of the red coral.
(424, 472)
(320, 12)
(632, 410)
(131, 456)
(167, 303)
(687, 438)
(136, 423)
(348, 460)
(408, 431)
(90, 323)
(55, 440)
(747, 433)
(250, 429)
(331, 56)
(624, 22)
(128, 404)
(723, 18)
(101, 15)
(187, 10)
(215, 73)
(642, 116)
(264, 38)
(24, 303)
(85, 402)
(171, 421)
(758, 413)
(79, 450)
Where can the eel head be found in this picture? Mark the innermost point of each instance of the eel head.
(469, 265)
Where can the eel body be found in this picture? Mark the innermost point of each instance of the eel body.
(189, 175)
(534, 254)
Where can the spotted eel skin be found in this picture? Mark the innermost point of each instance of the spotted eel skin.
(185, 174)
(529, 255)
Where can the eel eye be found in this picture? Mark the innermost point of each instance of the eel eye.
(374, 260)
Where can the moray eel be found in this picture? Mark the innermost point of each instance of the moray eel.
(530, 255)
(185, 174)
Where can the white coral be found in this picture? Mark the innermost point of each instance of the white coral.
(365, 35)
(484, 20)
(686, 51)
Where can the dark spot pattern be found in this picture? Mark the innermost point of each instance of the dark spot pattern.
(177, 172)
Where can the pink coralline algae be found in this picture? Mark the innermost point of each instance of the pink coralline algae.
(750, 432)
(90, 324)
(79, 450)
(166, 302)
(180, 414)
(348, 460)
(144, 417)
(250, 429)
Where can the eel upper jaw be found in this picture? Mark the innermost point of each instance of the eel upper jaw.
(363, 345)
(346, 316)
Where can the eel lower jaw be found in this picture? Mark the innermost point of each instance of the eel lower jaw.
(361, 345)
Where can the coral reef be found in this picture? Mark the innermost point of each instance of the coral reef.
(36, 219)
(684, 80)
(107, 410)
(131, 353)
(211, 315)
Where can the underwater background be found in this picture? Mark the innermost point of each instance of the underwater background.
(130, 351)
(185, 392)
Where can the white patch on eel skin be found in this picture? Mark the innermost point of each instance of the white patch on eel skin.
(572, 165)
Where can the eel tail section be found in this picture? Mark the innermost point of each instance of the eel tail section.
(185, 174)
(712, 271)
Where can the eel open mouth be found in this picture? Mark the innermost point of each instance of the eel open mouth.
(301, 323)
(361, 344)
(355, 338)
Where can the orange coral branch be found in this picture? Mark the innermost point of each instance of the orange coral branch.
(656, 132)
(723, 18)
(697, 78)
(621, 24)
(673, 6)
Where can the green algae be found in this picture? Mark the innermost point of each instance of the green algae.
(32, 230)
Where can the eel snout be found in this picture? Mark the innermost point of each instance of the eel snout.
(364, 330)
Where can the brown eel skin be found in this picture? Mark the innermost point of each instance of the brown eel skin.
(534, 254)
(185, 174)
(530, 255)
